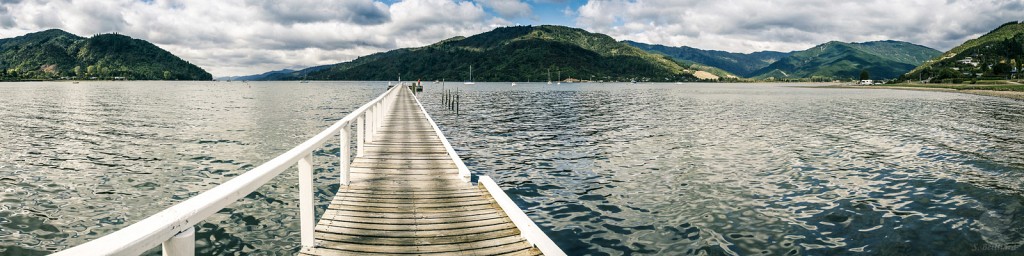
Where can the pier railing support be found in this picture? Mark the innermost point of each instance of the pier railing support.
(345, 154)
(306, 222)
(182, 244)
(360, 135)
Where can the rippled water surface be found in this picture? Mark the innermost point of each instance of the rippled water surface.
(612, 169)
(78, 161)
(722, 169)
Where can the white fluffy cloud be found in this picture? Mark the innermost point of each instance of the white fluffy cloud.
(239, 37)
(754, 25)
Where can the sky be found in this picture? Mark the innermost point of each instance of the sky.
(242, 37)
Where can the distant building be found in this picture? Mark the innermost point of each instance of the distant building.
(866, 82)
(968, 61)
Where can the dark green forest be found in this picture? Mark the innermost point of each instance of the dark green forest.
(741, 64)
(56, 54)
(521, 53)
(846, 61)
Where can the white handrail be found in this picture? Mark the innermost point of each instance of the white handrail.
(161, 227)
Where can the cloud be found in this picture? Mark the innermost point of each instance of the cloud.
(240, 37)
(508, 9)
(754, 25)
(362, 12)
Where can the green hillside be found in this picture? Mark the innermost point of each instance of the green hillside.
(54, 54)
(996, 54)
(740, 64)
(520, 53)
(838, 60)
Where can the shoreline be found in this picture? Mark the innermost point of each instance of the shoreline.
(1017, 95)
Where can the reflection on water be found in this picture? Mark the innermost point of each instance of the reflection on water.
(78, 161)
(750, 169)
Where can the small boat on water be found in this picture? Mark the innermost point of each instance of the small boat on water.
(470, 82)
(513, 83)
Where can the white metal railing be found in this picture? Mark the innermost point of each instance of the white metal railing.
(173, 227)
(527, 228)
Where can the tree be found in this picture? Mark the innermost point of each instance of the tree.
(91, 70)
(864, 75)
(167, 75)
(1001, 69)
(78, 71)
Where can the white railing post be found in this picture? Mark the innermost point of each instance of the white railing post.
(306, 224)
(379, 111)
(360, 134)
(369, 124)
(182, 244)
(345, 153)
(376, 117)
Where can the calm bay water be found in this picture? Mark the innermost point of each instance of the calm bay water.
(605, 169)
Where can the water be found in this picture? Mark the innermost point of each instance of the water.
(83, 160)
(613, 169)
(720, 169)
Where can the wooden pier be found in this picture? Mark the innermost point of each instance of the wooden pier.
(406, 192)
(406, 197)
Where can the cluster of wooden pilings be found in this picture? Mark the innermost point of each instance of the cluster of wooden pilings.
(450, 99)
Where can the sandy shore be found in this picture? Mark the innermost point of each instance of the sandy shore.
(1019, 95)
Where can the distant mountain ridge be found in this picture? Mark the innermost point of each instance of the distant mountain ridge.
(740, 64)
(839, 60)
(54, 53)
(519, 53)
(529, 53)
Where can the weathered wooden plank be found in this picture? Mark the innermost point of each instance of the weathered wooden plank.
(411, 215)
(417, 206)
(407, 200)
(419, 249)
(416, 240)
(409, 194)
(382, 190)
(407, 210)
(413, 233)
(446, 162)
(411, 221)
(403, 166)
(432, 172)
(412, 227)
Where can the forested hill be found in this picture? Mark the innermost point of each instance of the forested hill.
(997, 54)
(55, 54)
(741, 64)
(839, 60)
(520, 53)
